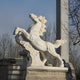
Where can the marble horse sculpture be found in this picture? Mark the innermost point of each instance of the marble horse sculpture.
(33, 38)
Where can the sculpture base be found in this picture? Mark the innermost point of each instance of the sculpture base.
(46, 73)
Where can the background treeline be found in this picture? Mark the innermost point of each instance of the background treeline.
(8, 48)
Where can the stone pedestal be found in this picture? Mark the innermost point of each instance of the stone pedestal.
(46, 73)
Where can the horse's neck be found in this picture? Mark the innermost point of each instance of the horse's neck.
(36, 27)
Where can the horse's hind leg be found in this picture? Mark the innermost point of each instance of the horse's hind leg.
(59, 58)
(60, 64)
(54, 54)
(44, 57)
(51, 50)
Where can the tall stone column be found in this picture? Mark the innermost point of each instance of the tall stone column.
(63, 27)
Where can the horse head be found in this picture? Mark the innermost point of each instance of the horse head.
(38, 19)
(33, 17)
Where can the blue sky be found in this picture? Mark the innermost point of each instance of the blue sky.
(15, 13)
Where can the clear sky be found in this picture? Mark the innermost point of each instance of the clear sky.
(15, 13)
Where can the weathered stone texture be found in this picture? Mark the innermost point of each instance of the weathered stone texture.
(46, 74)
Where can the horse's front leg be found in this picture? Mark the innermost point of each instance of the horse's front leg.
(17, 38)
(21, 32)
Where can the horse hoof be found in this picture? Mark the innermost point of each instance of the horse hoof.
(14, 31)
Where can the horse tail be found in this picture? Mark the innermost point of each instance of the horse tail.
(58, 43)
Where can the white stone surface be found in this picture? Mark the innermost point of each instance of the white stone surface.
(49, 68)
(34, 44)
(65, 29)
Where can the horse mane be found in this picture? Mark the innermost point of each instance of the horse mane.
(43, 26)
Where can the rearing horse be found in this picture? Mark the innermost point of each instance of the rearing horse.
(33, 37)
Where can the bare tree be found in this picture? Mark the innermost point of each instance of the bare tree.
(4, 44)
(75, 35)
(75, 20)
(17, 49)
(8, 48)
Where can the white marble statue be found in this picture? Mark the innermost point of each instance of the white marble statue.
(32, 38)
